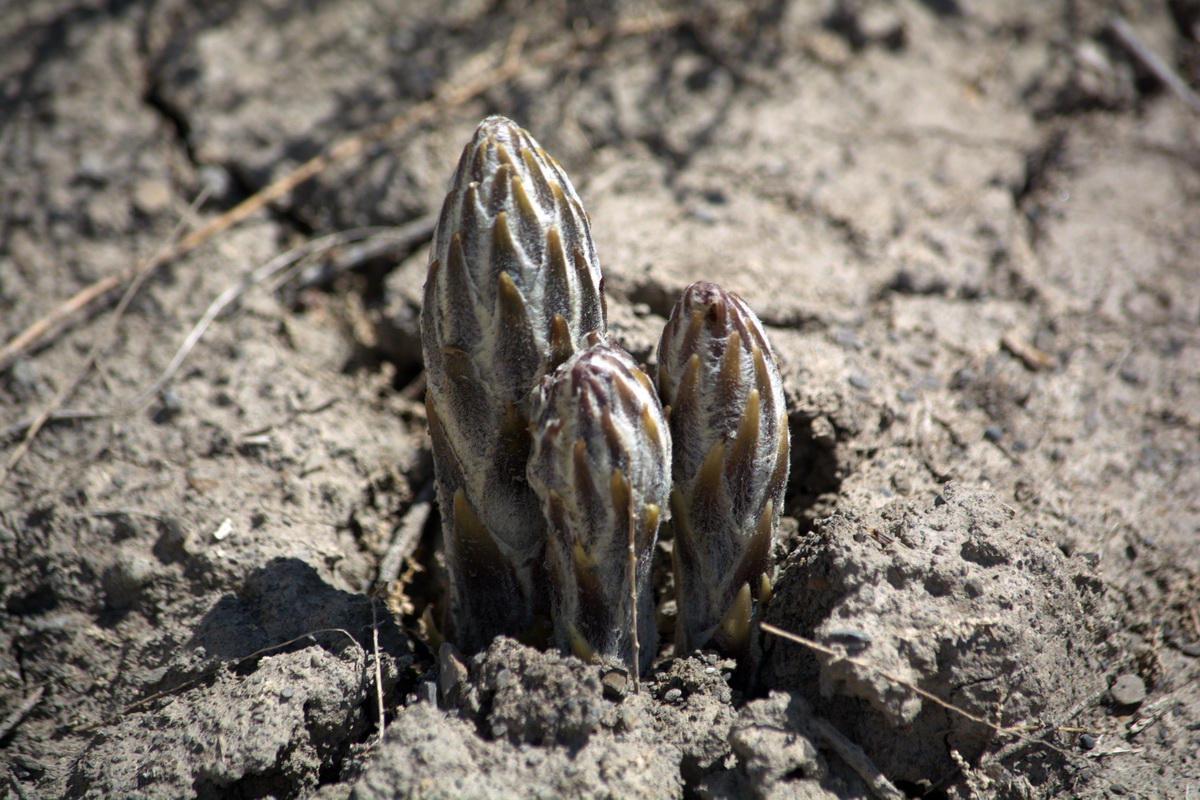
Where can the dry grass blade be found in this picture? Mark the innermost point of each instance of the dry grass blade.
(405, 235)
(512, 65)
(413, 231)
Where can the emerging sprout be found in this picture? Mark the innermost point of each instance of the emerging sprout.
(513, 289)
(728, 421)
(553, 456)
(601, 465)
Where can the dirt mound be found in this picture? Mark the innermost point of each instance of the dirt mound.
(956, 597)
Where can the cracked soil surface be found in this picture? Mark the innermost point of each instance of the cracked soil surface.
(972, 230)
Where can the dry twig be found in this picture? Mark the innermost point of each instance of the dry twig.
(1151, 61)
(378, 667)
(509, 68)
(407, 534)
(410, 233)
(854, 756)
(407, 235)
(511, 65)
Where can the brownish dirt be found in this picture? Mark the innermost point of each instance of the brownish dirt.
(972, 229)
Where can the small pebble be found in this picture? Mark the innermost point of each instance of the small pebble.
(223, 530)
(1191, 649)
(1130, 375)
(504, 679)
(1087, 741)
(217, 181)
(672, 696)
(844, 337)
(1117, 788)
(630, 718)
(850, 639)
(93, 168)
(151, 196)
(171, 400)
(860, 382)
(993, 434)
(616, 684)
(881, 24)
(1128, 690)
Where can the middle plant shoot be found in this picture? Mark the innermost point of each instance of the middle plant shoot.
(601, 464)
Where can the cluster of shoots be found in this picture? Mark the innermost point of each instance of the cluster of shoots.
(558, 458)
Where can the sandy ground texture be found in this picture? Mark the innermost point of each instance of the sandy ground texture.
(971, 228)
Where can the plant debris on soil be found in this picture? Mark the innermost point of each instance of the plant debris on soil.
(972, 230)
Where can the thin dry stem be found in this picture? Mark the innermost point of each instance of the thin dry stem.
(854, 756)
(633, 604)
(264, 272)
(407, 234)
(407, 534)
(442, 101)
(378, 668)
(1152, 61)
